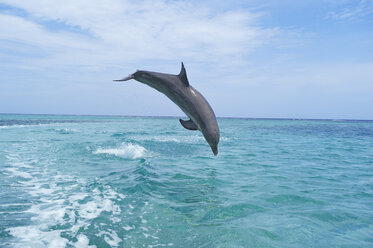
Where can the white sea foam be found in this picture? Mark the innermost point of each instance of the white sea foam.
(32, 236)
(56, 208)
(49, 212)
(93, 209)
(115, 219)
(127, 227)
(77, 197)
(60, 205)
(111, 238)
(83, 242)
(126, 150)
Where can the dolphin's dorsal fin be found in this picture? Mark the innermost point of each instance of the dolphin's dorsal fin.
(183, 76)
(189, 124)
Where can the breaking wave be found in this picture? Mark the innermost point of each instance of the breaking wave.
(125, 150)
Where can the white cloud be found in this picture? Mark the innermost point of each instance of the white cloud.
(362, 9)
(17, 29)
(114, 32)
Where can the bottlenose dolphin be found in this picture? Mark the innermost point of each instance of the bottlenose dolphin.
(191, 102)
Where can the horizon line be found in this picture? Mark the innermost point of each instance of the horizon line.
(178, 116)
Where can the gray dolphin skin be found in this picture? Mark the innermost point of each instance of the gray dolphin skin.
(191, 102)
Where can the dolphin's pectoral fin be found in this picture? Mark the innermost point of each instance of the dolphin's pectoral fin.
(182, 75)
(188, 124)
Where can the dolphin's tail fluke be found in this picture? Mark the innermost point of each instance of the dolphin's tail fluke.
(126, 78)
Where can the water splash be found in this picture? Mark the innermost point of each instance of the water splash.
(125, 150)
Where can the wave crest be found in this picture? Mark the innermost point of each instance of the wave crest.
(129, 150)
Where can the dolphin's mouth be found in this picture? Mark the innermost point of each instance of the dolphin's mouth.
(129, 77)
(215, 150)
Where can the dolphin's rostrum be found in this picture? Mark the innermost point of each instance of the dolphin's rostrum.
(192, 103)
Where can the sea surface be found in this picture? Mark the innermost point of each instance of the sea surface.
(96, 181)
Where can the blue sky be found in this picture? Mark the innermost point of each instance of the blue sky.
(271, 59)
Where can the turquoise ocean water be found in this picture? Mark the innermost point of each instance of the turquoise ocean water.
(88, 181)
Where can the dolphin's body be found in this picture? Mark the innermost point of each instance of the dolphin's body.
(191, 102)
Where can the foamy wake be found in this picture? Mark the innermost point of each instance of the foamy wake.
(126, 150)
(56, 208)
(59, 204)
